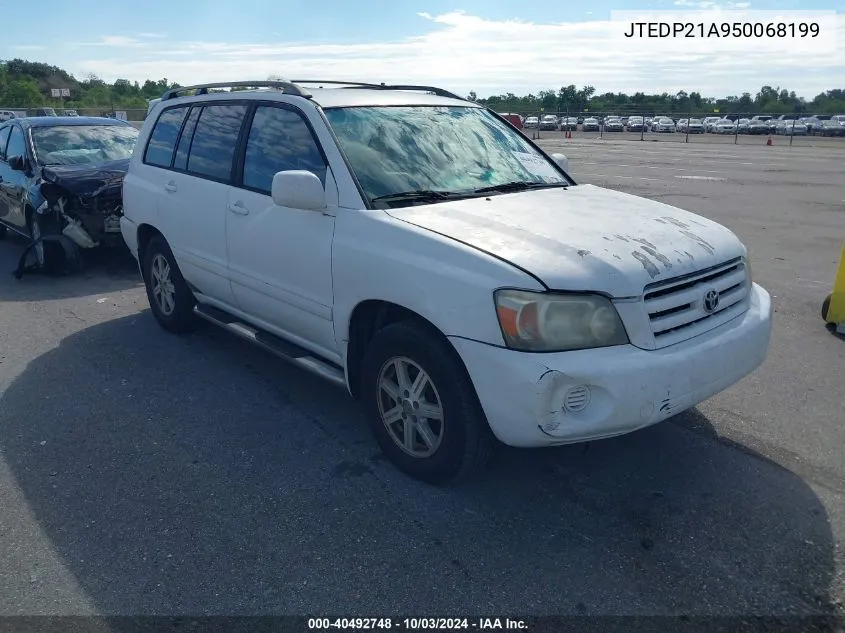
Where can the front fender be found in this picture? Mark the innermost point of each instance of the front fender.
(376, 257)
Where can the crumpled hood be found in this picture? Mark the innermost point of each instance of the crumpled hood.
(584, 237)
(99, 180)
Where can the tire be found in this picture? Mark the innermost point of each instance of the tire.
(173, 308)
(466, 442)
(37, 226)
(826, 307)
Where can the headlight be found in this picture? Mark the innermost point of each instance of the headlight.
(541, 322)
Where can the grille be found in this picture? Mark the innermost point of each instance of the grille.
(677, 309)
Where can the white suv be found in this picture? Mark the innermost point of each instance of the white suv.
(418, 250)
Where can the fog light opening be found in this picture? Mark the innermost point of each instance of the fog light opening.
(576, 399)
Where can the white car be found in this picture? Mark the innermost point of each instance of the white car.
(663, 124)
(723, 126)
(463, 302)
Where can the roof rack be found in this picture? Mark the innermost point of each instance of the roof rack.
(333, 82)
(382, 86)
(284, 85)
(437, 91)
(293, 87)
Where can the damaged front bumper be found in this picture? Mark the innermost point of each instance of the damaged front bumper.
(559, 398)
(84, 202)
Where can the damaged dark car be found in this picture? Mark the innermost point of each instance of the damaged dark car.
(61, 181)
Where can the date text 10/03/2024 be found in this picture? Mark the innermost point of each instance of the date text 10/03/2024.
(416, 624)
(723, 29)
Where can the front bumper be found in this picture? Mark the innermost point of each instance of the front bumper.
(523, 395)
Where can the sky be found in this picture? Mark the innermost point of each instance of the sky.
(485, 46)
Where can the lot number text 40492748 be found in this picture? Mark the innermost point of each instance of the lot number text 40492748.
(417, 624)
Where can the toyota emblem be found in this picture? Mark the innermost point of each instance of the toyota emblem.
(711, 300)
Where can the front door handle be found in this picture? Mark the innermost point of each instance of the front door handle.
(171, 186)
(238, 208)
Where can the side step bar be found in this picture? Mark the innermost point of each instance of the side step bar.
(283, 349)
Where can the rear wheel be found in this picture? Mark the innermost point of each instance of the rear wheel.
(422, 406)
(171, 300)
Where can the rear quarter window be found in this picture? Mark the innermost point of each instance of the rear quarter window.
(162, 141)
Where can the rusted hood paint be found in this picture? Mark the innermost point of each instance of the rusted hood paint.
(583, 238)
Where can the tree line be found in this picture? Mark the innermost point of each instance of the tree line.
(25, 84)
(768, 100)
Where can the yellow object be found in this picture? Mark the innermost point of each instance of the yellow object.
(836, 309)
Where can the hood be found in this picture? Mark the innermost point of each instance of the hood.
(584, 238)
(86, 181)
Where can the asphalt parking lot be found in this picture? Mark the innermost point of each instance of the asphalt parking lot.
(141, 473)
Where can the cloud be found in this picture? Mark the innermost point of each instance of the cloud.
(708, 5)
(118, 41)
(30, 47)
(464, 52)
(154, 36)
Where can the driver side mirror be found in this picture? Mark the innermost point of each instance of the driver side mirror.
(17, 163)
(562, 161)
(298, 189)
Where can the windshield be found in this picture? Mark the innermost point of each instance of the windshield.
(83, 144)
(435, 148)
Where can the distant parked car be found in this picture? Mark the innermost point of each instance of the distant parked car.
(635, 124)
(549, 122)
(531, 122)
(742, 126)
(830, 128)
(723, 126)
(590, 124)
(613, 125)
(569, 123)
(44, 112)
(663, 124)
(6, 115)
(756, 126)
(791, 127)
(695, 126)
(70, 113)
(512, 118)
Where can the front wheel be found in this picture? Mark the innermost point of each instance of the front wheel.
(171, 300)
(422, 406)
(41, 226)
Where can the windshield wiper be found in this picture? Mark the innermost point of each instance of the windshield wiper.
(520, 185)
(421, 194)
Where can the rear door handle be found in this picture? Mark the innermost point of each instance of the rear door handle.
(171, 186)
(238, 208)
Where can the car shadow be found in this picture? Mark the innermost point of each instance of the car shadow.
(197, 475)
(103, 270)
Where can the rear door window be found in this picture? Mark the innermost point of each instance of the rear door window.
(163, 139)
(181, 160)
(216, 140)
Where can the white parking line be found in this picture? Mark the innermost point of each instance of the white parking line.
(713, 178)
(613, 176)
